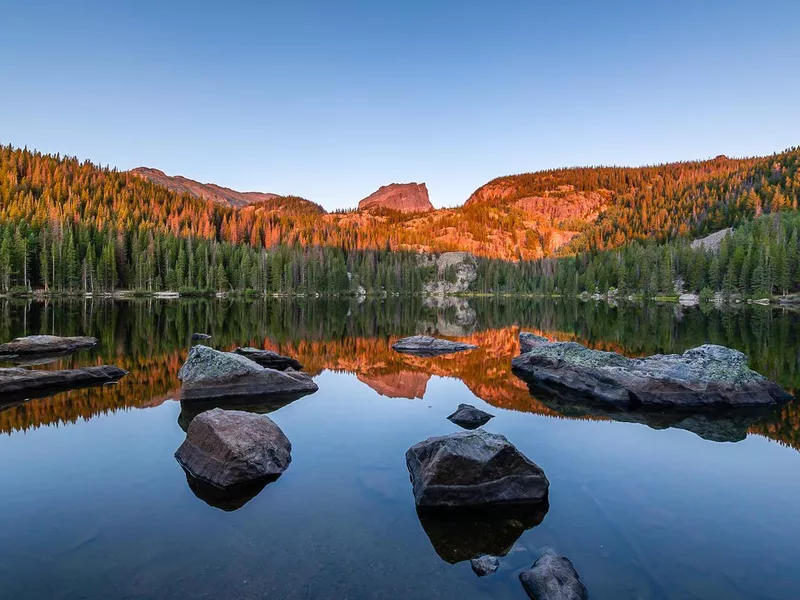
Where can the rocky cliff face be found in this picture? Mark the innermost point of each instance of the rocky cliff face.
(455, 272)
(209, 191)
(403, 197)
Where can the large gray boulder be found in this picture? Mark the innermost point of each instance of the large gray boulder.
(209, 373)
(528, 341)
(473, 469)
(553, 577)
(705, 376)
(425, 345)
(18, 383)
(469, 417)
(269, 359)
(228, 448)
(45, 344)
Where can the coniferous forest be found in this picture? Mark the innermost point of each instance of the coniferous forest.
(72, 227)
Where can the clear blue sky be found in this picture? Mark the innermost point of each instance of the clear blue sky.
(329, 100)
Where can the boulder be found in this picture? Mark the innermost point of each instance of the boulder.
(46, 344)
(199, 337)
(269, 359)
(469, 417)
(473, 469)
(484, 565)
(17, 383)
(261, 405)
(228, 448)
(425, 345)
(705, 376)
(528, 341)
(553, 577)
(209, 373)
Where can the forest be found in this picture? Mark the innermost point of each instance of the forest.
(69, 227)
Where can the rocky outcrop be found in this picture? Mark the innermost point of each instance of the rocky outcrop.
(269, 359)
(469, 417)
(45, 344)
(484, 565)
(209, 373)
(473, 469)
(227, 448)
(701, 377)
(553, 577)
(403, 197)
(712, 241)
(16, 383)
(528, 341)
(425, 345)
(455, 273)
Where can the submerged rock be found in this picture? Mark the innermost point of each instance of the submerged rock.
(473, 469)
(230, 447)
(469, 417)
(260, 405)
(199, 337)
(16, 383)
(209, 373)
(46, 344)
(553, 577)
(705, 376)
(425, 345)
(269, 359)
(484, 565)
(466, 533)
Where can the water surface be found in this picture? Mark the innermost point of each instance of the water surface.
(94, 505)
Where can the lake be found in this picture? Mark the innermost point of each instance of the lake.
(94, 505)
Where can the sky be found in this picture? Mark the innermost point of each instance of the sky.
(329, 100)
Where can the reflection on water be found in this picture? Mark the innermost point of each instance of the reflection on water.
(231, 498)
(253, 404)
(459, 535)
(150, 339)
(93, 504)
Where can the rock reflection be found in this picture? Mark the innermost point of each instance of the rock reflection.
(261, 405)
(228, 499)
(713, 424)
(462, 534)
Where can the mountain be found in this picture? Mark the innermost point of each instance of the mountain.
(402, 197)
(208, 191)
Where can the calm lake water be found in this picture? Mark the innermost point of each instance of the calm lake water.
(94, 505)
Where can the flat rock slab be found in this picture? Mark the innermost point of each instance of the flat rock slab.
(209, 374)
(473, 469)
(705, 376)
(469, 417)
(227, 448)
(553, 577)
(46, 344)
(15, 382)
(425, 345)
(198, 337)
(270, 359)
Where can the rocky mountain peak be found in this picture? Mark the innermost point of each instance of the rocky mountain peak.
(403, 197)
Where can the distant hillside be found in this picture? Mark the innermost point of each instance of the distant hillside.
(208, 191)
(527, 216)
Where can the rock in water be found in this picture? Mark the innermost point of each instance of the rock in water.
(473, 469)
(199, 337)
(425, 345)
(270, 359)
(528, 341)
(46, 344)
(469, 417)
(209, 373)
(705, 376)
(553, 577)
(484, 565)
(16, 383)
(230, 447)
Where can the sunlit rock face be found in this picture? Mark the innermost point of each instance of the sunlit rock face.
(402, 197)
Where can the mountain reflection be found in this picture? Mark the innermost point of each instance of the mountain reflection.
(150, 339)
